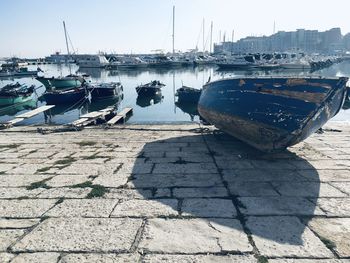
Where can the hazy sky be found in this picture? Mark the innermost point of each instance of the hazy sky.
(33, 28)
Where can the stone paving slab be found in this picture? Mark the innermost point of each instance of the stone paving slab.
(6, 257)
(199, 259)
(25, 208)
(146, 208)
(194, 236)
(81, 235)
(334, 206)
(279, 206)
(36, 257)
(83, 208)
(208, 207)
(9, 236)
(336, 230)
(18, 223)
(106, 258)
(200, 192)
(285, 237)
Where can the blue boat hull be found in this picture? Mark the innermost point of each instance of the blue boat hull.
(64, 98)
(271, 114)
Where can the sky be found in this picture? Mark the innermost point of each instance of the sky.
(33, 28)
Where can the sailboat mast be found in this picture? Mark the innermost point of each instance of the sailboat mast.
(65, 34)
(203, 36)
(211, 36)
(173, 30)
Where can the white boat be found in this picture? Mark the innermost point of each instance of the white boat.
(91, 61)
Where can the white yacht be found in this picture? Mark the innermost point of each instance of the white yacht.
(91, 61)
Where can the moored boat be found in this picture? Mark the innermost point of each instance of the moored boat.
(61, 82)
(271, 114)
(188, 94)
(65, 96)
(104, 90)
(150, 88)
(15, 94)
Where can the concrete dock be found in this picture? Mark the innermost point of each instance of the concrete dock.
(172, 193)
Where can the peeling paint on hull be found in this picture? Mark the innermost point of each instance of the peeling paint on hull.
(271, 114)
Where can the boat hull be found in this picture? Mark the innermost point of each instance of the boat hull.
(60, 83)
(271, 114)
(54, 98)
(11, 100)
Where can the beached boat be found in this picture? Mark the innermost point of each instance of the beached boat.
(188, 94)
(271, 114)
(104, 90)
(15, 94)
(65, 96)
(150, 88)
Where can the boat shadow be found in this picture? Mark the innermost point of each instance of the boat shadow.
(217, 178)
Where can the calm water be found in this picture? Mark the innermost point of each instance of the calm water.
(160, 109)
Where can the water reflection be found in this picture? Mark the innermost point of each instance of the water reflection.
(160, 108)
(16, 109)
(146, 101)
(189, 108)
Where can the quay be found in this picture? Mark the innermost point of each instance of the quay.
(172, 193)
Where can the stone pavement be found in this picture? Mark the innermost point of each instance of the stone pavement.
(172, 193)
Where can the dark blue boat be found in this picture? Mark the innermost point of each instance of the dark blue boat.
(271, 114)
(65, 96)
(104, 90)
(188, 94)
(149, 89)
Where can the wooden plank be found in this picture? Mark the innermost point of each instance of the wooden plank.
(79, 121)
(125, 111)
(13, 121)
(93, 114)
(115, 119)
(32, 113)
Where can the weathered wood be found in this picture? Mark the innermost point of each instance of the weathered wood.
(13, 121)
(121, 115)
(125, 111)
(115, 119)
(79, 121)
(32, 113)
(93, 114)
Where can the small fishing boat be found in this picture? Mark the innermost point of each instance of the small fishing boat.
(188, 94)
(65, 96)
(69, 81)
(15, 94)
(271, 114)
(104, 90)
(150, 88)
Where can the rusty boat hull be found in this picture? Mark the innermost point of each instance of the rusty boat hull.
(271, 114)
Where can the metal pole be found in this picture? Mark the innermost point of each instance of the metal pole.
(211, 36)
(173, 30)
(65, 34)
(203, 37)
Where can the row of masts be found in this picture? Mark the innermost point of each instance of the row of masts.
(203, 35)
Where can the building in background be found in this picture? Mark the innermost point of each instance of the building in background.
(301, 40)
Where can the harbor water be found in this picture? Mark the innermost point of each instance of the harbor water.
(162, 108)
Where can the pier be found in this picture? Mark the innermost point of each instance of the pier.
(172, 193)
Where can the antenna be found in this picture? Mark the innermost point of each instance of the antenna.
(274, 27)
(173, 30)
(220, 36)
